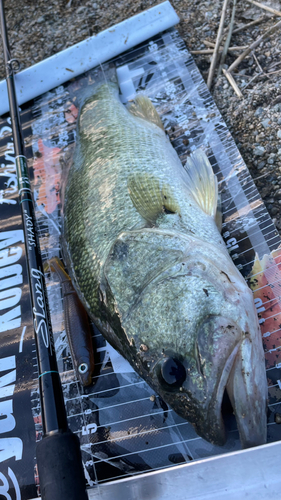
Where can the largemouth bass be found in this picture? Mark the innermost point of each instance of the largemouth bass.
(142, 247)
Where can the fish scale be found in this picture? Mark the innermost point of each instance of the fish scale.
(143, 249)
(78, 268)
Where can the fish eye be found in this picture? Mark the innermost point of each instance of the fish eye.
(173, 372)
(83, 368)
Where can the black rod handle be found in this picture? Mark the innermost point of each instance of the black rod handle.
(60, 468)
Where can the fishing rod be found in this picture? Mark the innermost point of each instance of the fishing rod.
(58, 454)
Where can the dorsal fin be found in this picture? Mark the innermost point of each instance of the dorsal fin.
(202, 182)
(143, 108)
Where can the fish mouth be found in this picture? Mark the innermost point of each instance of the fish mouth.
(247, 393)
(247, 389)
(214, 428)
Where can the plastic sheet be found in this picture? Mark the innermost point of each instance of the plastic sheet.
(124, 427)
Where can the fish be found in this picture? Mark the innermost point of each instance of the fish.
(77, 325)
(142, 246)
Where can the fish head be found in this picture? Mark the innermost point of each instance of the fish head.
(190, 321)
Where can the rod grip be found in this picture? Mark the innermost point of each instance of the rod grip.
(60, 467)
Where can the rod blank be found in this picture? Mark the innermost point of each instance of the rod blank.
(58, 454)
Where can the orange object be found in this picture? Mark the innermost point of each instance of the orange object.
(265, 281)
(47, 173)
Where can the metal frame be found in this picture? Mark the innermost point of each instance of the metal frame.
(252, 474)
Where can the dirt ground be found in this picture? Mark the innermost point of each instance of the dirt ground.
(40, 29)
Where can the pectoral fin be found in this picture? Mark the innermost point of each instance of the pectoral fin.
(150, 198)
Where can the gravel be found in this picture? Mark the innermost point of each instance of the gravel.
(39, 30)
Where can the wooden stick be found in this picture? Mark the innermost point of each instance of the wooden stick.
(209, 44)
(274, 65)
(211, 50)
(273, 72)
(203, 51)
(261, 176)
(218, 40)
(266, 34)
(228, 38)
(245, 26)
(252, 79)
(233, 83)
(237, 47)
(252, 23)
(265, 7)
(259, 66)
(257, 63)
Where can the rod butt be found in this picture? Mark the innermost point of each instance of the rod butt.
(60, 467)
